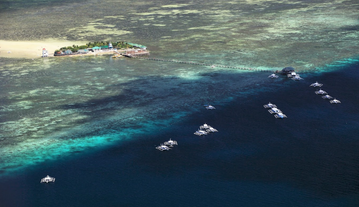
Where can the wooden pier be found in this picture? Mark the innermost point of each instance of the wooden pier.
(135, 53)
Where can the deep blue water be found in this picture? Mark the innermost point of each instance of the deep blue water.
(309, 159)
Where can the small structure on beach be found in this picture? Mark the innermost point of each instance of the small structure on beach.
(136, 52)
(44, 53)
(68, 52)
(110, 46)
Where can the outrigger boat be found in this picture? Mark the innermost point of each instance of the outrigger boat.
(171, 143)
(209, 107)
(273, 76)
(47, 179)
(327, 97)
(335, 101)
(316, 84)
(200, 132)
(274, 111)
(163, 147)
(320, 92)
(270, 105)
(297, 77)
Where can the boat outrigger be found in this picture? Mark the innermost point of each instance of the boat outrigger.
(171, 143)
(204, 126)
(280, 116)
(205, 129)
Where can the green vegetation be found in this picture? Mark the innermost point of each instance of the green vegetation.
(75, 48)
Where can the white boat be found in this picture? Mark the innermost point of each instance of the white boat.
(297, 77)
(291, 75)
(327, 97)
(280, 116)
(320, 92)
(274, 111)
(211, 129)
(163, 147)
(171, 143)
(210, 107)
(273, 76)
(204, 126)
(47, 179)
(316, 84)
(335, 101)
(270, 105)
(200, 132)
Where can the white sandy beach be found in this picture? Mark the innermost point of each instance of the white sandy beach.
(32, 49)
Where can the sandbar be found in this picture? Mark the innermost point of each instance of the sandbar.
(32, 49)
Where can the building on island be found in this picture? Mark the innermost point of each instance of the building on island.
(84, 51)
(104, 47)
(68, 52)
(44, 53)
(131, 50)
(96, 48)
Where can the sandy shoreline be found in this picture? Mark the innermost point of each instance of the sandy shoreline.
(32, 49)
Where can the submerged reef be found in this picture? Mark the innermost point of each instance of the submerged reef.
(303, 34)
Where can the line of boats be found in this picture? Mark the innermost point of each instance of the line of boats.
(205, 129)
(324, 93)
(293, 75)
(167, 145)
(272, 108)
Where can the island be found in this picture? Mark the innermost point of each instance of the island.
(119, 49)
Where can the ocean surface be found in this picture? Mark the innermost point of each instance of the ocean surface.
(309, 159)
(93, 122)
